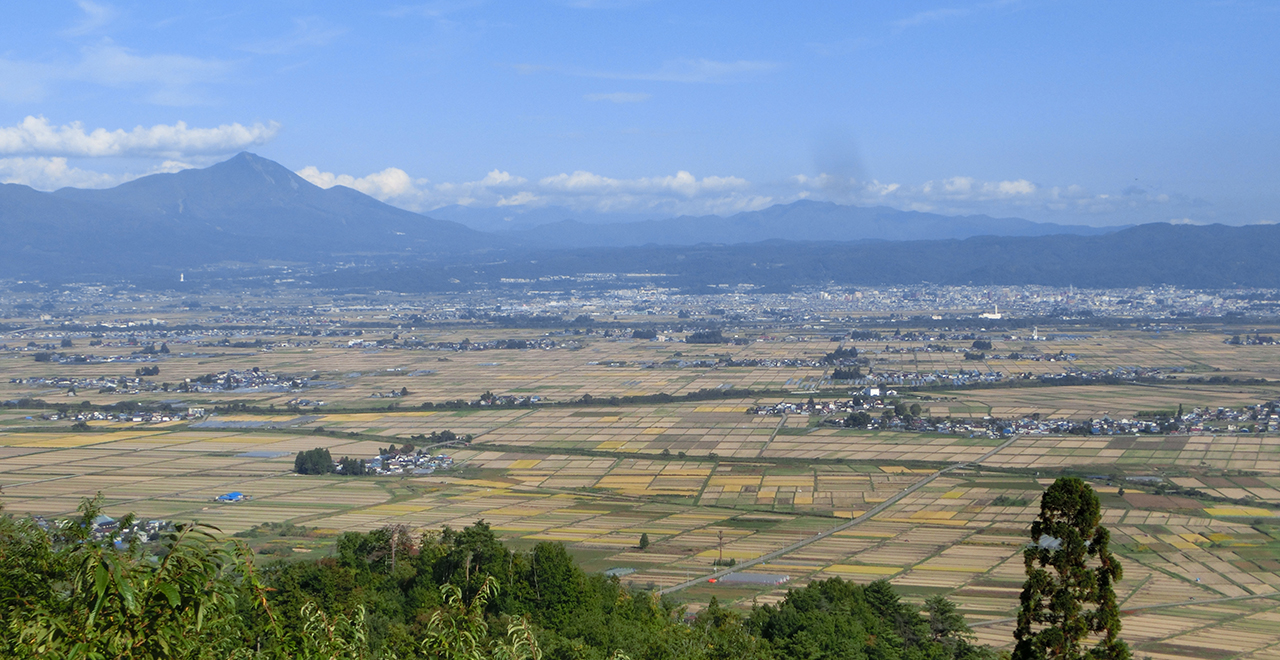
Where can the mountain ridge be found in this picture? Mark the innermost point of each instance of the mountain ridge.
(246, 208)
(802, 220)
(250, 210)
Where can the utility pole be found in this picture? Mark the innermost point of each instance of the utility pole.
(720, 534)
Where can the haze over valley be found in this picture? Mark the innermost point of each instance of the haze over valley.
(640, 330)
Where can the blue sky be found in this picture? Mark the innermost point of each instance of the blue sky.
(1082, 112)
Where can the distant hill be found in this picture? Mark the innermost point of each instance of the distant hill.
(798, 221)
(1214, 256)
(245, 209)
(501, 219)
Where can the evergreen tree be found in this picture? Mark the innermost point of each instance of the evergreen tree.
(314, 461)
(644, 541)
(1068, 567)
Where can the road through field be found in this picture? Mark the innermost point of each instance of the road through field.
(842, 526)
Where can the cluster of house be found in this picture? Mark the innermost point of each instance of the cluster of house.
(251, 379)
(879, 413)
(936, 378)
(409, 463)
(104, 526)
(1035, 357)
(1256, 339)
(544, 343)
(1114, 373)
(507, 400)
(137, 416)
(102, 384)
(811, 407)
(55, 356)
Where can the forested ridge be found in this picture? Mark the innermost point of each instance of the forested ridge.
(66, 592)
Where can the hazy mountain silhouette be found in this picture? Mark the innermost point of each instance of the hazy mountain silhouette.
(798, 221)
(250, 210)
(244, 209)
(1215, 256)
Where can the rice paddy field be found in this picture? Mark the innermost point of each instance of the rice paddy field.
(705, 480)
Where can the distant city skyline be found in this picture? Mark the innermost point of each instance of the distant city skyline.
(1084, 113)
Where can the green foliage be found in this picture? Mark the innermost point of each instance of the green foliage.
(706, 337)
(838, 619)
(1005, 500)
(859, 419)
(65, 593)
(946, 624)
(352, 467)
(644, 541)
(839, 354)
(1068, 567)
(841, 373)
(313, 461)
(71, 595)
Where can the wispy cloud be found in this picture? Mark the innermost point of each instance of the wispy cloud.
(307, 32)
(435, 10)
(36, 136)
(841, 46)
(170, 79)
(946, 13)
(618, 97)
(693, 71)
(113, 65)
(96, 16)
(681, 71)
(603, 4)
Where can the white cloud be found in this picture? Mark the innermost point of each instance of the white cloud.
(681, 192)
(682, 183)
(388, 184)
(53, 173)
(618, 97)
(521, 198)
(963, 188)
(36, 136)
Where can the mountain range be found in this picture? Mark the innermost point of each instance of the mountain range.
(250, 210)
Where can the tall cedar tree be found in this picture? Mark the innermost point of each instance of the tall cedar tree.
(1068, 567)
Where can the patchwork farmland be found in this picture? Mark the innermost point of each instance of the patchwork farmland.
(1194, 515)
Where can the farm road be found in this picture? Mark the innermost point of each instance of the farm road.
(875, 511)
